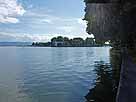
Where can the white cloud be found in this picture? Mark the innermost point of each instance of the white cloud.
(9, 10)
(39, 20)
(23, 37)
(82, 22)
(67, 29)
(8, 20)
(7, 36)
(47, 21)
(92, 36)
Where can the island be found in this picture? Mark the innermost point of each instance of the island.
(60, 41)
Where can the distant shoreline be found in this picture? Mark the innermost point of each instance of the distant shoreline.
(53, 46)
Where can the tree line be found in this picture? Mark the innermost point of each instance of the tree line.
(60, 41)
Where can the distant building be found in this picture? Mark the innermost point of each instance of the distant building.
(58, 43)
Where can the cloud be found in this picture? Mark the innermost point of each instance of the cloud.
(7, 36)
(10, 10)
(8, 20)
(63, 24)
(82, 22)
(23, 37)
(66, 29)
(92, 36)
(37, 26)
(47, 21)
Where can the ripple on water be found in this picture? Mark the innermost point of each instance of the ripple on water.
(50, 74)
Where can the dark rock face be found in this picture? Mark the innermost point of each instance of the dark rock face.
(113, 20)
(103, 1)
(109, 1)
(102, 19)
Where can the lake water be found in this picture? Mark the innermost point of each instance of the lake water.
(48, 74)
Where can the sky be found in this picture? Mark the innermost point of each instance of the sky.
(40, 20)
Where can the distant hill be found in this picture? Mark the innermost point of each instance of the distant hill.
(15, 43)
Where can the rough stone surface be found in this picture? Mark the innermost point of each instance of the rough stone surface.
(127, 86)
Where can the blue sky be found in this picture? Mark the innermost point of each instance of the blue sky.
(40, 20)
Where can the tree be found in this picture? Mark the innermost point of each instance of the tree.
(66, 39)
(60, 38)
(89, 42)
(77, 42)
(33, 44)
(53, 39)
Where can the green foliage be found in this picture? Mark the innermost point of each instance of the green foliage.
(89, 41)
(59, 38)
(66, 42)
(66, 39)
(53, 39)
(77, 41)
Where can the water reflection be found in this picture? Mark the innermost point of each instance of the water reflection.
(106, 82)
(48, 74)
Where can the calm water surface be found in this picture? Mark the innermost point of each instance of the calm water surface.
(48, 74)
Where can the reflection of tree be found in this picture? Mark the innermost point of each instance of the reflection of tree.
(106, 84)
(102, 92)
(116, 60)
